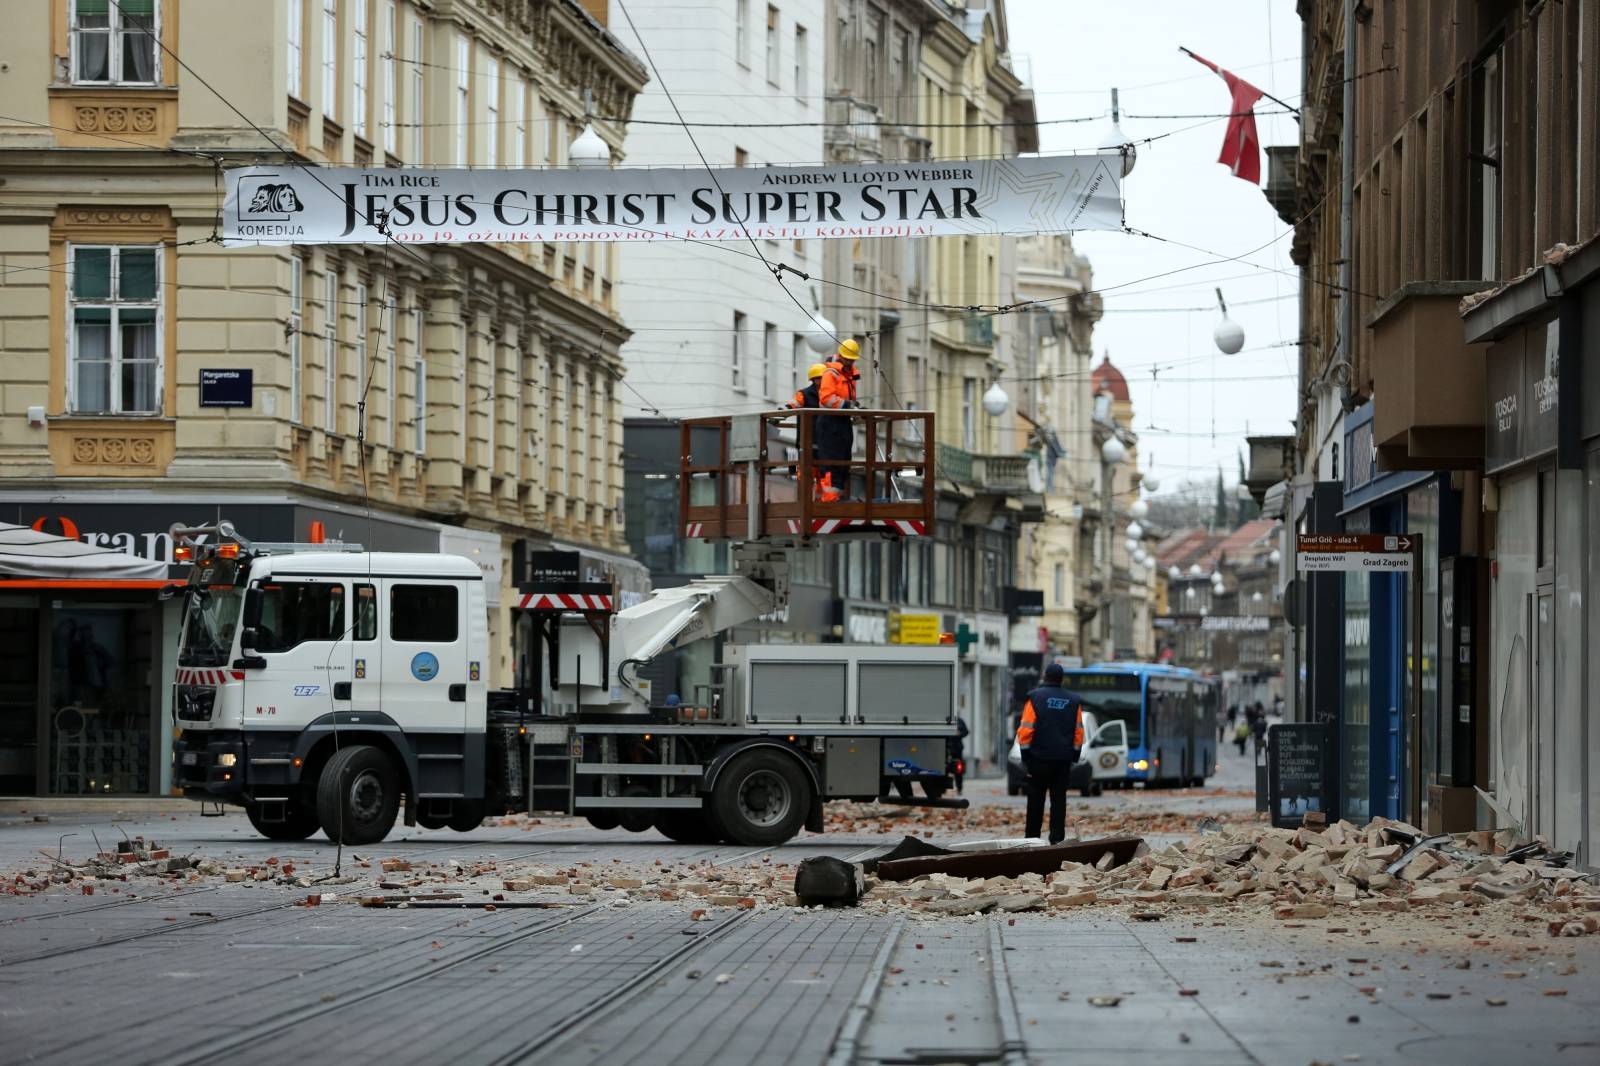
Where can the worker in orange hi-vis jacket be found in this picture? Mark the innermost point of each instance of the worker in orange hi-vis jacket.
(835, 435)
(1051, 736)
(811, 394)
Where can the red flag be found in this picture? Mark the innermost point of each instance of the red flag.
(1241, 147)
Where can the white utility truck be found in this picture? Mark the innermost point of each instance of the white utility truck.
(322, 687)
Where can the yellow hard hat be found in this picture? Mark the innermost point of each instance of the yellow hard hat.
(849, 349)
(815, 370)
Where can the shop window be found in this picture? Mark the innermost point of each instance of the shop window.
(115, 307)
(295, 612)
(100, 699)
(115, 44)
(423, 613)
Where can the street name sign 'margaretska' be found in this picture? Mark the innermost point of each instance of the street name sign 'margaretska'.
(1354, 552)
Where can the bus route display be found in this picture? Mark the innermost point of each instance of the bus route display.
(1297, 772)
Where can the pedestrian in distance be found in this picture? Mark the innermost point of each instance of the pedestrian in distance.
(834, 435)
(1258, 727)
(1241, 734)
(1051, 736)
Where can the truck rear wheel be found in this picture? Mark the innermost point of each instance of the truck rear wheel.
(297, 822)
(358, 795)
(761, 798)
(604, 820)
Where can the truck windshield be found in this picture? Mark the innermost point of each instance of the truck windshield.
(210, 618)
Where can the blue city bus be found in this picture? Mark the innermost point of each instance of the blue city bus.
(1161, 720)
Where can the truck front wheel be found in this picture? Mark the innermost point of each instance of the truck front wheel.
(358, 795)
(760, 799)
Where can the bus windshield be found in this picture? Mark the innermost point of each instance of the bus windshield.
(210, 616)
(1111, 696)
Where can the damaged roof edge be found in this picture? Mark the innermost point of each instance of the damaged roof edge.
(1515, 302)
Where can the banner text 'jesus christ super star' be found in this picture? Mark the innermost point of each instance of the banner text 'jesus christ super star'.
(352, 205)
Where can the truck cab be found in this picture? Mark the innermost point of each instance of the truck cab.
(292, 661)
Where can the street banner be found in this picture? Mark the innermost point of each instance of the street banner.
(355, 205)
(1353, 552)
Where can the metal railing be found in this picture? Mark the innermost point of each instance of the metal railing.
(883, 488)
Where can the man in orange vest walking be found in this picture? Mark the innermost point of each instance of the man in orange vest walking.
(1051, 736)
(835, 434)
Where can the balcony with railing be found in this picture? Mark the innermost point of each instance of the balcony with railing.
(853, 127)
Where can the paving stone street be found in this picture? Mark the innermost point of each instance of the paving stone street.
(205, 969)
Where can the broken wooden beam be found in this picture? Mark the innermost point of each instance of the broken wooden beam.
(1009, 862)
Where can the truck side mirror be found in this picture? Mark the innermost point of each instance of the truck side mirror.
(247, 640)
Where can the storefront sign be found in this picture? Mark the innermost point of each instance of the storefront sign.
(1522, 383)
(283, 205)
(1319, 553)
(548, 567)
(1244, 623)
(141, 528)
(1024, 603)
(994, 644)
(907, 627)
(225, 388)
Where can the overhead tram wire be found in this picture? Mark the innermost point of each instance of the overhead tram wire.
(710, 171)
(624, 121)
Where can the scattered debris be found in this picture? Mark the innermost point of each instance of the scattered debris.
(828, 882)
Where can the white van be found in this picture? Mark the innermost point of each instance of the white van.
(1105, 754)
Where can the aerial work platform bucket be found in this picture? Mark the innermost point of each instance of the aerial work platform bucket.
(885, 489)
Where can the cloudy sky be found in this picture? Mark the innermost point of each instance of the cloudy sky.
(1197, 409)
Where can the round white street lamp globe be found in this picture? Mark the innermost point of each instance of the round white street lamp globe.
(1113, 450)
(995, 401)
(1138, 508)
(1135, 531)
(1189, 593)
(1255, 597)
(1195, 571)
(1151, 484)
(589, 150)
(1130, 546)
(1204, 612)
(820, 339)
(1174, 573)
(1275, 557)
(1229, 336)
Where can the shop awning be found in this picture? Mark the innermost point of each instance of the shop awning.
(32, 556)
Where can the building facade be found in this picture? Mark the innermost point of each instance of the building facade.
(1443, 398)
(462, 399)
